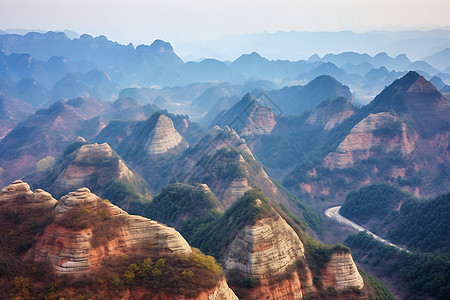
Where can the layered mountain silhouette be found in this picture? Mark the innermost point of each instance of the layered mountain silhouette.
(297, 99)
(49, 131)
(389, 140)
(12, 111)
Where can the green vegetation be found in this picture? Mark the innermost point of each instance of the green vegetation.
(178, 202)
(425, 274)
(425, 225)
(378, 291)
(311, 217)
(214, 232)
(86, 216)
(123, 193)
(374, 201)
(186, 275)
(318, 254)
(45, 163)
(422, 224)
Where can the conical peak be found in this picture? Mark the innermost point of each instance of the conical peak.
(164, 120)
(421, 85)
(164, 137)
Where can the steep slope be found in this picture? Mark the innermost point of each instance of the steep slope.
(152, 138)
(296, 139)
(47, 133)
(400, 137)
(12, 111)
(264, 256)
(331, 113)
(87, 247)
(99, 168)
(250, 116)
(296, 100)
(223, 161)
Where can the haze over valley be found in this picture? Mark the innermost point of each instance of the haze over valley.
(301, 157)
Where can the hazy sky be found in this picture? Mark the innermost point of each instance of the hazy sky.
(141, 21)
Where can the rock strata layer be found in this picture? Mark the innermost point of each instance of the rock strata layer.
(74, 250)
(20, 192)
(164, 137)
(341, 272)
(268, 247)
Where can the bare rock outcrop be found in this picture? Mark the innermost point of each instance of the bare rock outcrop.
(367, 136)
(87, 229)
(249, 116)
(341, 272)
(270, 246)
(164, 137)
(19, 192)
(91, 159)
(331, 114)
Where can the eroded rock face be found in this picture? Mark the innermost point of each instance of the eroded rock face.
(367, 136)
(95, 166)
(164, 137)
(222, 292)
(90, 159)
(341, 273)
(332, 114)
(268, 247)
(20, 191)
(213, 154)
(261, 120)
(248, 117)
(111, 232)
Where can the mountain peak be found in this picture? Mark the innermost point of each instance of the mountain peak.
(421, 85)
(164, 137)
(158, 46)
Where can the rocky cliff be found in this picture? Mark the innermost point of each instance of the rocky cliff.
(375, 135)
(331, 113)
(271, 252)
(223, 161)
(341, 272)
(267, 255)
(401, 137)
(99, 168)
(74, 243)
(19, 193)
(267, 247)
(164, 137)
(248, 117)
(84, 246)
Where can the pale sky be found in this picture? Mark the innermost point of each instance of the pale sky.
(142, 21)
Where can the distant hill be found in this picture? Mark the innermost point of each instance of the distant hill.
(439, 60)
(389, 140)
(12, 111)
(296, 100)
